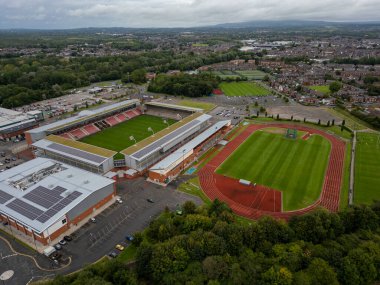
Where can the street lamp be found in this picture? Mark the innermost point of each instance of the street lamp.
(150, 130)
(132, 138)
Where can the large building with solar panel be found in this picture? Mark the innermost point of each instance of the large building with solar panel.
(43, 198)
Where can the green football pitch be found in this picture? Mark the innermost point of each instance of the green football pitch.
(243, 89)
(367, 168)
(117, 137)
(294, 166)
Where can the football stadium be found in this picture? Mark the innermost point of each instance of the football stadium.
(278, 170)
(131, 137)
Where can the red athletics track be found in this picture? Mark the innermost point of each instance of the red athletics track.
(254, 202)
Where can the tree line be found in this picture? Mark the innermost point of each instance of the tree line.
(184, 84)
(207, 245)
(29, 79)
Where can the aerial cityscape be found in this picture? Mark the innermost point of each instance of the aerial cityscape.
(189, 142)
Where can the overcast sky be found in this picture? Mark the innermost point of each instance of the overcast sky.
(49, 14)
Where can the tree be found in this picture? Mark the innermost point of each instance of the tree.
(189, 207)
(321, 273)
(335, 86)
(138, 76)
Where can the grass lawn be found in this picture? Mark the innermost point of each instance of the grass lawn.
(296, 167)
(252, 74)
(243, 89)
(351, 121)
(346, 178)
(320, 88)
(193, 187)
(117, 137)
(367, 168)
(196, 104)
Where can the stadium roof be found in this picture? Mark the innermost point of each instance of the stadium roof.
(160, 139)
(172, 160)
(74, 149)
(10, 118)
(82, 116)
(38, 193)
(173, 106)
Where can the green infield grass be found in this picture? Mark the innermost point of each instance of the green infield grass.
(321, 88)
(367, 168)
(117, 137)
(243, 89)
(294, 166)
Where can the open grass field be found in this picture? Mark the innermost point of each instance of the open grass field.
(117, 137)
(320, 88)
(252, 74)
(243, 89)
(295, 167)
(367, 168)
(196, 104)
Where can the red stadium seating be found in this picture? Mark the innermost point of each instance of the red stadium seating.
(78, 134)
(91, 129)
(67, 136)
(121, 117)
(111, 121)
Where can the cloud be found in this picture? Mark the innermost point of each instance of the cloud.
(174, 13)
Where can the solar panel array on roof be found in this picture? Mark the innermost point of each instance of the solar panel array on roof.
(25, 209)
(59, 206)
(44, 196)
(141, 153)
(4, 197)
(79, 153)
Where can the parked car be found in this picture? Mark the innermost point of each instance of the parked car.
(55, 255)
(129, 238)
(112, 254)
(67, 238)
(119, 247)
(14, 158)
(118, 200)
(92, 220)
(58, 246)
(150, 200)
(62, 242)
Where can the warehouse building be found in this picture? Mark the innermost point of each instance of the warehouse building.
(43, 198)
(171, 166)
(152, 149)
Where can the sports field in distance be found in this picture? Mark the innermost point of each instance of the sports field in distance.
(367, 168)
(243, 89)
(321, 88)
(117, 137)
(294, 166)
(196, 104)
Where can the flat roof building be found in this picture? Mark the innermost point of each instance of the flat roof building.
(14, 123)
(152, 149)
(42, 198)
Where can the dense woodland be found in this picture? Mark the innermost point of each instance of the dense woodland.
(184, 84)
(206, 245)
(29, 79)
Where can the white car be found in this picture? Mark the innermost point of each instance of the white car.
(118, 200)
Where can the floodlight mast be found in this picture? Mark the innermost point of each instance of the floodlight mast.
(132, 138)
(150, 130)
